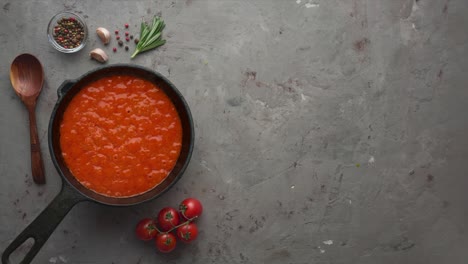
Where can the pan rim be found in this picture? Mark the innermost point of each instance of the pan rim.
(140, 198)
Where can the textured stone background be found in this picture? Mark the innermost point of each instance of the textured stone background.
(326, 131)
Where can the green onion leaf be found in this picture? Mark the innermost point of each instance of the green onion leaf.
(141, 28)
(152, 39)
(154, 45)
(144, 36)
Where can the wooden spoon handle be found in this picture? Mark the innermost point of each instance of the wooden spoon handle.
(37, 165)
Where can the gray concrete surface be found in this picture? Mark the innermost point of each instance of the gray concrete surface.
(327, 131)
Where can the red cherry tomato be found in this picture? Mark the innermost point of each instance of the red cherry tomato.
(191, 208)
(146, 229)
(168, 218)
(188, 232)
(165, 242)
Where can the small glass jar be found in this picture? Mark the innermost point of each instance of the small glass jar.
(51, 31)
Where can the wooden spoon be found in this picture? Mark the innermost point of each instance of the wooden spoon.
(27, 78)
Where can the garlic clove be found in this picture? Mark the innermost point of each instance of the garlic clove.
(99, 55)
(103, 34)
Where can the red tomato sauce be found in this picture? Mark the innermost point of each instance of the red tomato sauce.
(120, 136)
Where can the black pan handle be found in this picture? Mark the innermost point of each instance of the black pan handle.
(43, 226)
(64, 87)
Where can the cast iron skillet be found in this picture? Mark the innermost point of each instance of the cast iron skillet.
(72, 191)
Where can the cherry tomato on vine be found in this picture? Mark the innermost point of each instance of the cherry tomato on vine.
(168, 218)
(165, 242)
(191, 208)
(187, 232)
(146, 229)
